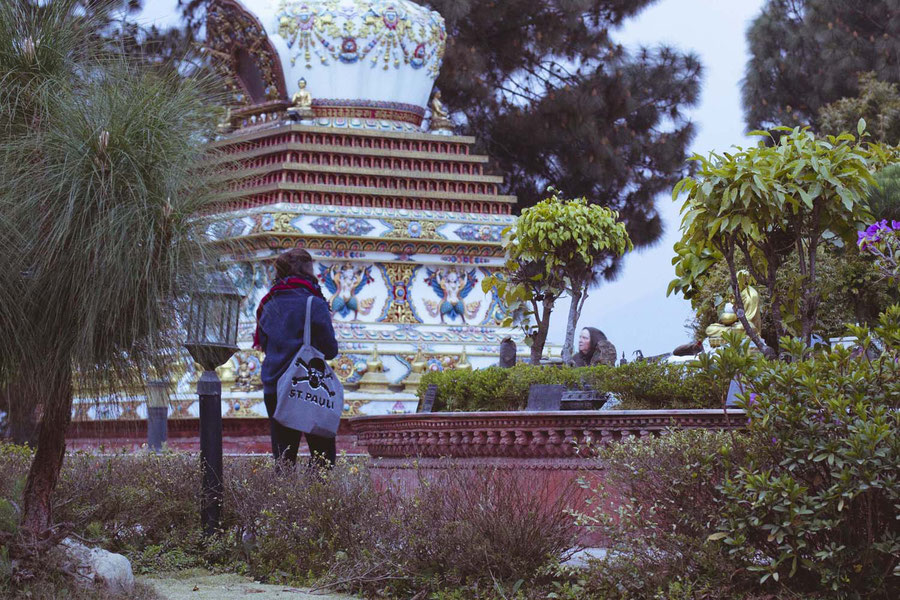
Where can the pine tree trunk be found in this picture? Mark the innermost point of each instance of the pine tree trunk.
(569, 345)
(21, 417)
(48, 459)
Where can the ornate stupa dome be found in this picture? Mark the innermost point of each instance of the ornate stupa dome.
(368, 63)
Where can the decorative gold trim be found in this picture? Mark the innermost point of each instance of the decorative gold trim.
(334, 149)
(364, 191)
(242, 247)
(341, 170)
(422, 137)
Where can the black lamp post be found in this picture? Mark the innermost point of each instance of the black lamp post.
(212, 322)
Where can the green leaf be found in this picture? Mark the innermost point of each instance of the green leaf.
(861, 126)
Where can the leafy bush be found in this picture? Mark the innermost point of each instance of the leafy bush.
(637, 385)
(466, 530)
(816, 505)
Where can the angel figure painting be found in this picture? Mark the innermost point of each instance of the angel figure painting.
(452, 286)
(345, 282)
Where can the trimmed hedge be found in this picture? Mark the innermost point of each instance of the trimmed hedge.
(638, 385)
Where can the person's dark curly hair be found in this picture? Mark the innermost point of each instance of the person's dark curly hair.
(295, 261)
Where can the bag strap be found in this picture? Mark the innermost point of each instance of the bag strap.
(307, 327)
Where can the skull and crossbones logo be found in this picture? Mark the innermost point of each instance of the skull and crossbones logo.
(315, 374)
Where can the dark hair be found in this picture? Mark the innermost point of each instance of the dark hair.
(295, 261)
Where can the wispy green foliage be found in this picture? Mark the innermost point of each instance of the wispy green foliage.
(805, 54)
(100, 192)
(884, 196)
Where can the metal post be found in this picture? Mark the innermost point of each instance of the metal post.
(157, 414)
(209, 388)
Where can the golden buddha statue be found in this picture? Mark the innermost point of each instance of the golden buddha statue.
(728, 319)
(301, 102)
(440, 117)
(224, 125)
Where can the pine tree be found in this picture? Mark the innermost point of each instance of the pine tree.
(555, 101)
(808, 53)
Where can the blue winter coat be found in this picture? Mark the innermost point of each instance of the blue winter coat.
(281, 332)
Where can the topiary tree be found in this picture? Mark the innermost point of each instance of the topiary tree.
(762, 203)
(559, 245)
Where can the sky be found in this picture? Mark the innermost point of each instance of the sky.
(633, 311)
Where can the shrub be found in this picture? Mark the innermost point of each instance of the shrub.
(816, 506)
(668, 503)
(127, 502)
(462, 531)
(637, 385)
(292, 524)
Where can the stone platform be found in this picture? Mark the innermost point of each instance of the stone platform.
(545, 452)
(240, 436)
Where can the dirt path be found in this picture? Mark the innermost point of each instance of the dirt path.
(199, 585)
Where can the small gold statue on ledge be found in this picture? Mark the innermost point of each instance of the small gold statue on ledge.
(301, 103)
(224, 125)
(440, 117)
(728, 319)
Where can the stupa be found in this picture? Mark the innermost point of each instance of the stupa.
(335, 141)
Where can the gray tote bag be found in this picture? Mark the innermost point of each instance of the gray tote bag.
(310, 395)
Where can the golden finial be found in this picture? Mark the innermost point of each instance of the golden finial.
(463, 363)
(374, 364)
(419, 363)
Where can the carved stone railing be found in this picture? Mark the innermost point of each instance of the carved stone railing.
(522, 434)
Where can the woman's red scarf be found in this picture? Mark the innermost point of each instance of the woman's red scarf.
(287, 283)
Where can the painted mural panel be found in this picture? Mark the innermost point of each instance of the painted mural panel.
(449, 296)
(355, 292)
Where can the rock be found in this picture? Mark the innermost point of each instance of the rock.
(507, 353)
(605, 353)
(98, 567)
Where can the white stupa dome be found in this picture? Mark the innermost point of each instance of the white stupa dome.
(370, 59)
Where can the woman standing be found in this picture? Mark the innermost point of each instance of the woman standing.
(280, 321)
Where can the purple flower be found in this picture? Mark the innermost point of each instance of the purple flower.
(895, 225)
(774, 440)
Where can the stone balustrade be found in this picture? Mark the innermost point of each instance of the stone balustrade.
(528, 435)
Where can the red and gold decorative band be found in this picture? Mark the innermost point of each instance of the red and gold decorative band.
(368, 109)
